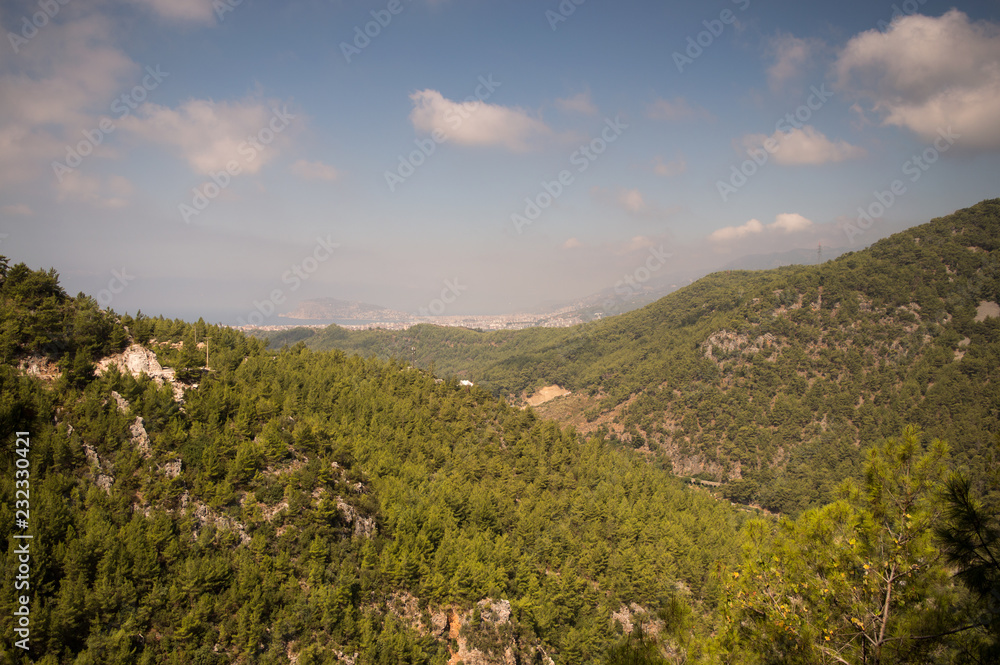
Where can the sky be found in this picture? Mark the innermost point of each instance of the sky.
(214, 158)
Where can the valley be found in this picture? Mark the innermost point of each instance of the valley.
(755, 378)
(709, 479)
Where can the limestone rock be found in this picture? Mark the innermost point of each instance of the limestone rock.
(364, 527)
(140, 438)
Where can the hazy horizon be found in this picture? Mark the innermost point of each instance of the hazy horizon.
(194, 159)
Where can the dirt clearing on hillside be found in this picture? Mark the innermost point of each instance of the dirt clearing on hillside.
(987, 310)
(547, 394)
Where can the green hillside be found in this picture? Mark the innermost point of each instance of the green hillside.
(177, 493)
(768, 381)
(316, 508)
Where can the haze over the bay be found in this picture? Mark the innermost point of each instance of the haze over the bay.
(204, 159)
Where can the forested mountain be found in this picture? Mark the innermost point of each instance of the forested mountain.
(315, 508)
(179, 493)
(770, 382)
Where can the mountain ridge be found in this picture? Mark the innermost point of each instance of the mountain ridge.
(853, 338)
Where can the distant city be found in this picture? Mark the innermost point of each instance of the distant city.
(402, 321)
(352, 315)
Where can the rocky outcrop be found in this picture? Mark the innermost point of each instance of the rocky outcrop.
(138, 360)
(724, 343)
(140, 439)
(122, 403)
(631, 616)
(100, 469)
(39, 366)
(172, 469)
(364, 527)
(205, 516)
(483, 635)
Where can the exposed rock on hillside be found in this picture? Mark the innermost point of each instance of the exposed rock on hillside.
(205, 516)
(39, 366)
(364, 527)
(137, 360)
(630, 616)
(122, 403)
(482, 635)
(729, 343)
(140, 438)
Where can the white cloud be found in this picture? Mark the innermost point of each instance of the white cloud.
(784, 223)
(791, 56)
(18, 209)
(631, 200)
(790, 222)
(74, 73)
(209, 135)
(635, 243)
(580, 103)
(572, 243)
(186, 11)
(678, 109)
(806, 145)
(315, 171)
(24, 152)
(927, 74)
(57, 87)
(110, 193)
(670, 169)
(476, 123)
(735, 232)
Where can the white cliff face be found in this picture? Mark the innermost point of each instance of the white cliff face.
(134, 360)
(137, 360)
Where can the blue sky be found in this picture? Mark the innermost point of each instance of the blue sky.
(262, 153)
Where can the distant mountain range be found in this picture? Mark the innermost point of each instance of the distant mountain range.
(767, 381)
(598, 305)
(806, 257)
(333, 309)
